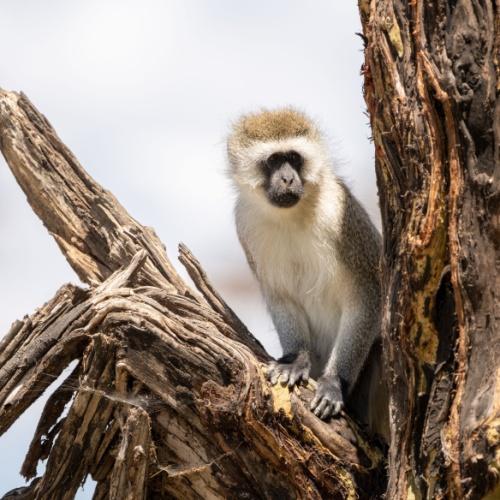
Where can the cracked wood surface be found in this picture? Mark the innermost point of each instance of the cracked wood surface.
(431, 88)
(168, 396)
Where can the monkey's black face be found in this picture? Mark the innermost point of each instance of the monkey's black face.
(284, 187)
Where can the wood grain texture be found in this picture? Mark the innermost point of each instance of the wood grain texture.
(431, 87)
(168, 398)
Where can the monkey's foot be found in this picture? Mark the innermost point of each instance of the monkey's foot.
(291, 369)
(328, 400)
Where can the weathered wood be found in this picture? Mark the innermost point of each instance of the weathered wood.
(95, 233)
(431, 86)
(128, 479)
(169, 398)
(49, 424)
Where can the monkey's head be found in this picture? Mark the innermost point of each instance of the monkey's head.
(277, 156)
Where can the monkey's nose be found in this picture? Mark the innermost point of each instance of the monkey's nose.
(287, 179)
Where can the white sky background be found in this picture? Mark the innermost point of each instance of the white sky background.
(143, 92)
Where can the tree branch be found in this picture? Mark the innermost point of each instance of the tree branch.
(168, 380)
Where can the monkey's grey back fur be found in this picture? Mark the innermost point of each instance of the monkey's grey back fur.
(359, 244)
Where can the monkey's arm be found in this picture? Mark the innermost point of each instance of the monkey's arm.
(293, 331)
(359, 328)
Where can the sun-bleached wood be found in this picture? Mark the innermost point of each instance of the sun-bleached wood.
(168, 397)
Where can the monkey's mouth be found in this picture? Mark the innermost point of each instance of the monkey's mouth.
(285, 199)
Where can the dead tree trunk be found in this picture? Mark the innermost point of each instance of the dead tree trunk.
(431, 87)
(168, 398)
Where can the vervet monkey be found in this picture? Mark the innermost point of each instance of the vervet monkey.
(315, 253)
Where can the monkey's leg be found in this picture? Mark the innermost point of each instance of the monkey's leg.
(358, 330)
(291, 324)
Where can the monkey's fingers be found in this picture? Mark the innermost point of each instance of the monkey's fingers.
(315, 402)
(272, 373)
(275, 375)
(284, 376)
(327, 411)
(326, 408)
(332, 409)
(295, 377)
(337, 408)
(321, 407)
(287, 374)
(298, 376)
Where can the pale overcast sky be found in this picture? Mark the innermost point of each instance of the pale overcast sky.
(143, 93)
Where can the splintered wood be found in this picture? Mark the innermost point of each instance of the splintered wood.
(167, 398)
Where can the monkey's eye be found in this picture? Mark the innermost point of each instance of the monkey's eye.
(295, 159)
(275, 160)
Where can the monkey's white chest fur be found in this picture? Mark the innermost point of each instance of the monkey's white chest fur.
(293, 263)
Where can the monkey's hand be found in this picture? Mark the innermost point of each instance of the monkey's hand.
(291, 369)
(328, 400)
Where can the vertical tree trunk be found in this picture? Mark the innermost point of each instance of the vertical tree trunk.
(431, 89)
